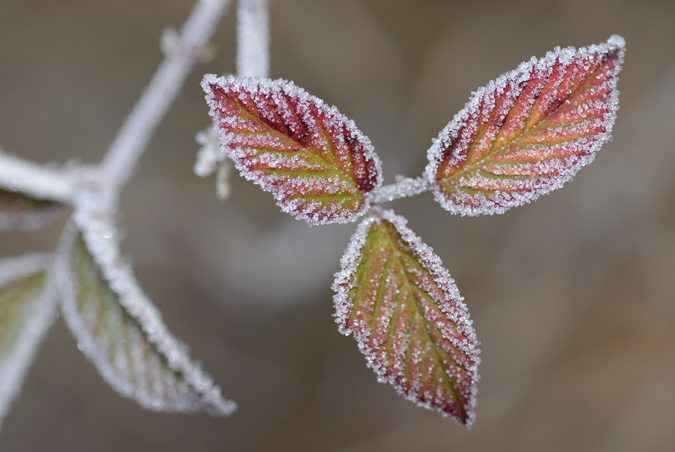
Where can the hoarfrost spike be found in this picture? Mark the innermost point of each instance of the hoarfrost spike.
(404, 310)
(528, 132)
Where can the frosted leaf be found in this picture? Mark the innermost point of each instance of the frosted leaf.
(404, 310)
(318, 166)
(20, 211)
(119, 329)
(27, 310)
(528, 132)
(404, 186)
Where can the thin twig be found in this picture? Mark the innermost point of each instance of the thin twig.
(253, 39)
(134, 135)
(36, 180)
(403, 188)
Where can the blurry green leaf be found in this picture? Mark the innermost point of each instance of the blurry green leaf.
(15, 299)
(122, 333)
(26, 311)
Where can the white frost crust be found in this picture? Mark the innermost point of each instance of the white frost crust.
(37, 317)
(35, 180)
(101, 239)
(344, 282)
(500, 202)
(261, 85)
(403, 188)
(344, 279)
(209, 156)
(253, 39)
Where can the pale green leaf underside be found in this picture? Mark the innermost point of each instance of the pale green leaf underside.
(16, 302)
(124, 352)
(27, 307)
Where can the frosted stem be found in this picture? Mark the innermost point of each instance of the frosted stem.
(403, 188)
(253, 39)
(134, 135)
(35, 180)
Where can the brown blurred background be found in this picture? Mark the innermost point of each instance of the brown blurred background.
(573, 297)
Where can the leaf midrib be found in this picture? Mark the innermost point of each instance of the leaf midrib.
(315, 157)
(410, 287)
(94, 284)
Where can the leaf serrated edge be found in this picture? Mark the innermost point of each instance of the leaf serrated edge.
(344, 283)
(449, 132)
(290, 89)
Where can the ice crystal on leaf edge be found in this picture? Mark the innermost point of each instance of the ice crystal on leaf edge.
(120, 330)
(407, 314)
(311, 157)
(476, 168)
(530, 130)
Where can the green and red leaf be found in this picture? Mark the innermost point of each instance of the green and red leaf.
(316, 163)
(403, 308)
(528, 132)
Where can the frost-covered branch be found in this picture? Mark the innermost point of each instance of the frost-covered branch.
(253, 39)
(36, 180)
(403, 188)
(88, 267)
(160, 93)
(253, 42)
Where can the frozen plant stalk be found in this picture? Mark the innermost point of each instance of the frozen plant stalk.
(253, 39)
(114, 323)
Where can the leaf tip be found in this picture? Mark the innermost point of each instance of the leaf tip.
(527, 132)
(407, 316)
(617, 42)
